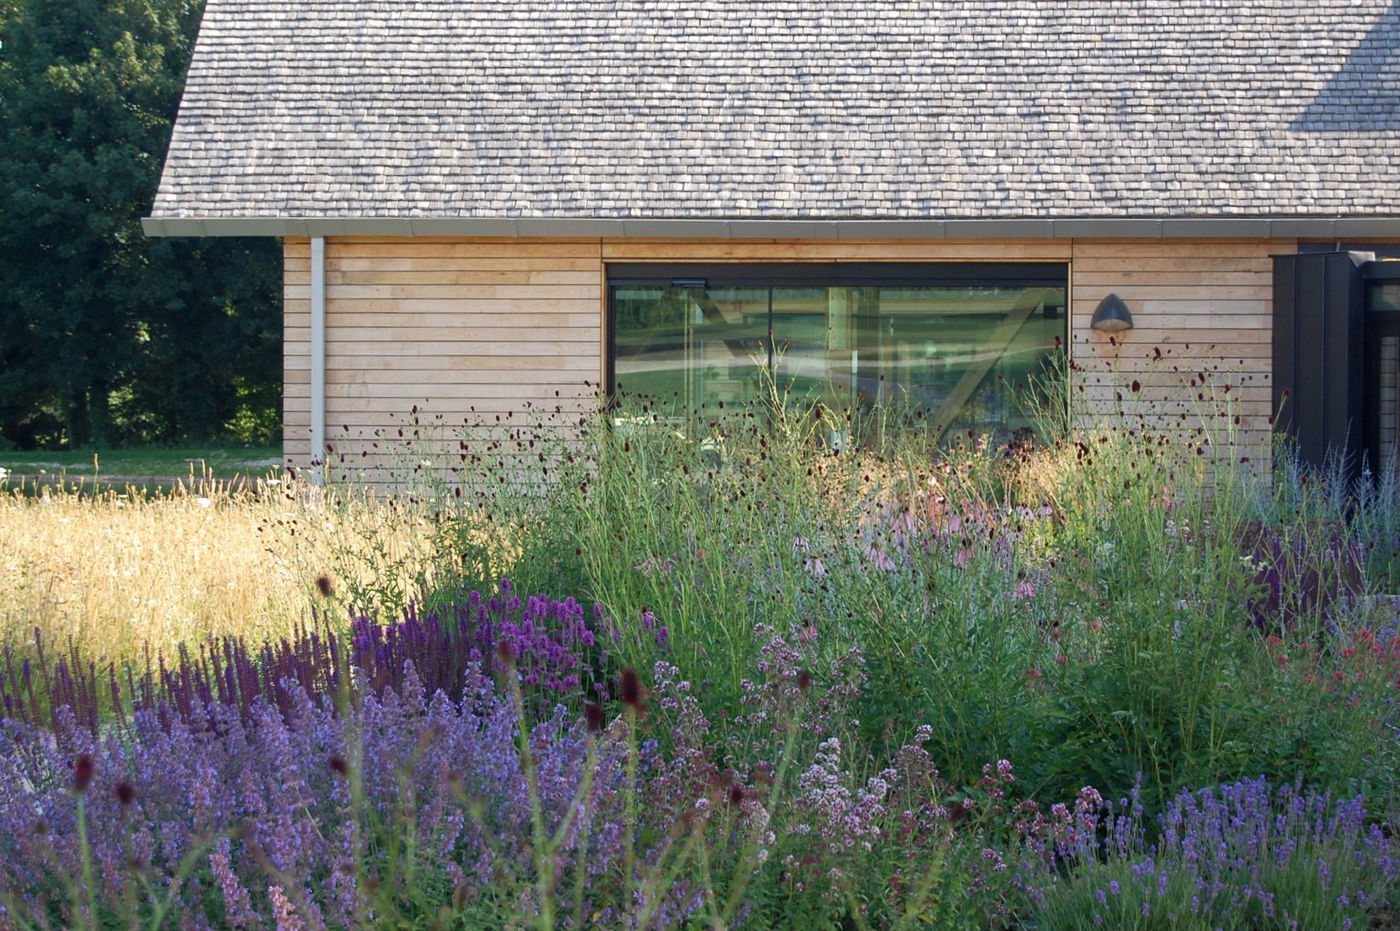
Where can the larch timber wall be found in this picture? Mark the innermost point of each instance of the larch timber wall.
(436, 335)
(1201, 349)
(465, 331)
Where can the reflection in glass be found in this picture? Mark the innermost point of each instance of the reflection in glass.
(947, 356)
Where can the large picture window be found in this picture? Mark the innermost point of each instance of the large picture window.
(943, 345)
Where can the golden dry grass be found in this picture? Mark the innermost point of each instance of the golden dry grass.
(118, 572)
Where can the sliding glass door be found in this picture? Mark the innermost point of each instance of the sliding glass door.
(939, 345)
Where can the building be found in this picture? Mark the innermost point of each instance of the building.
(489, 204)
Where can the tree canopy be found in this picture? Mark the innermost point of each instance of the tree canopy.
(107, 337)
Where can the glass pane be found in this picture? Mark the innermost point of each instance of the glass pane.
(940, 357)
(947, 356)
(1383, 296)
(1387, 394)
(689, 350)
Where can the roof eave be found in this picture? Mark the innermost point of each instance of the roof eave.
(1338, 227)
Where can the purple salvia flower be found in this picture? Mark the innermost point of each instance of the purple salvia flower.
(238, 906)
(282, 912)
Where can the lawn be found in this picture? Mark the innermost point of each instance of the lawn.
(154, 465)
(733, 680)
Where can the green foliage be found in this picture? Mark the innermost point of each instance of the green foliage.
(1093, 609)
(1097, 610)
(106, 337)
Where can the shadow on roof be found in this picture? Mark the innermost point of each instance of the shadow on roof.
(1365, 94)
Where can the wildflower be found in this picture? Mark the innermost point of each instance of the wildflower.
(283, 912)
(593, 716)
(879, 558)
(82, 772)
(325, 586)
(631, 688)
(338, 764)
(125, 792)
(1061, 660)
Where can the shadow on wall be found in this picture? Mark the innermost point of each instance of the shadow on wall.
(1365, 94)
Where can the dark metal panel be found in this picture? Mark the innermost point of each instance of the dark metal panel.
(1319, 353)
(1341, 355)
(1310, 349)
(1285, 331)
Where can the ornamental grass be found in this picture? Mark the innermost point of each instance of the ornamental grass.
(121, 572)
(738, 678)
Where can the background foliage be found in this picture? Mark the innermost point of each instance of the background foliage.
(106, 337)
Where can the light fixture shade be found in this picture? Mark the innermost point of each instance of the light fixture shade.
(1111, 314)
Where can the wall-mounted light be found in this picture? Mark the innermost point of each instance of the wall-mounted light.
(1111, 314)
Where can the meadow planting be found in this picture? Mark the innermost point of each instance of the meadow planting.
(711, 672)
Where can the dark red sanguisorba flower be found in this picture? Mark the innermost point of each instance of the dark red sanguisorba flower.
(82, 772)
(631, 688)
(505, 652)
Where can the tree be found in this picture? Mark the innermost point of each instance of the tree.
(107, 337)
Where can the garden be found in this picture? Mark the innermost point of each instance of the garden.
(626, 673)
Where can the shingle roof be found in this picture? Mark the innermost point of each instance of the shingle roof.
(793, 109)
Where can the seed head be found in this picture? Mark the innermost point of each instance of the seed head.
(736, 794)
(593, 717)
(325, 586)
(804, 680)
(631, 688)
(126, 793)
(82, 773)
(505, 652)
(338, 764)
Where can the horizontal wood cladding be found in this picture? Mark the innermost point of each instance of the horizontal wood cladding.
(470, 330)
(894, 250)
(1200, 351)
(296, 351)
(439, 335)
